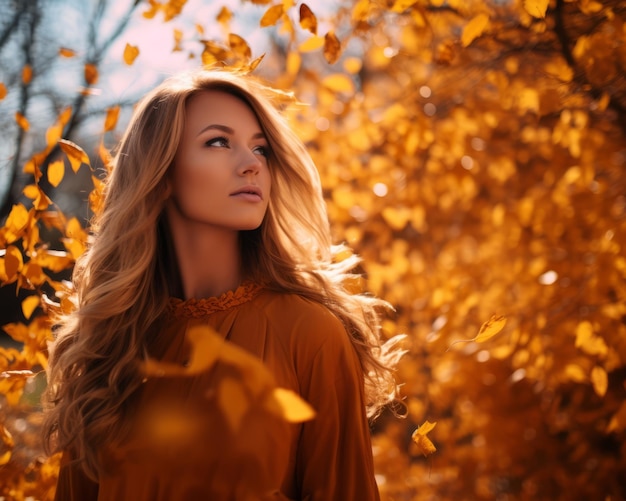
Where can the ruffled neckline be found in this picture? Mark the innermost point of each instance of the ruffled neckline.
(194, 308)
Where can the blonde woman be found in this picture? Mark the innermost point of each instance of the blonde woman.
(214, 217)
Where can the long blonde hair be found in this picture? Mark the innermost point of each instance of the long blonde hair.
(124, 280)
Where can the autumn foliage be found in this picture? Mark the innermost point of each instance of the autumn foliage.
(473, 153)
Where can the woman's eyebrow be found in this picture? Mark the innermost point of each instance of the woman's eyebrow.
(228, 130)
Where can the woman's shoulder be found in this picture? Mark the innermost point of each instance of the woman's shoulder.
(302, 322)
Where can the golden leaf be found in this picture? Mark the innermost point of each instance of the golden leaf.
(130, 54)
(474, 29)
(75, 154)
(178, 36)
(239, 46)
(53, 260)
(289, 405)
(65, 52)
(5, 458)
(112, 116)
(34, 274)
(574, 372)
(400, 6)
(22, 121)
(487, 330)
(16, 223)
(308, 21)
(352, 65)
(424, 445)
(53, 134)
(224, 16)
(27, 74)
(56, 171)
(311, 44)
(490, 328)
(3, 91)
(13, 262)
(36, 194)
(233, 402)
(29, 304)
(292, 64)
(338, 82)
(536, 8)
(587, 340)
(332, 48)
(91, 73)
(600, 380)
(272, 15)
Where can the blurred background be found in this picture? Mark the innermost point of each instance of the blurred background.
(471, 151)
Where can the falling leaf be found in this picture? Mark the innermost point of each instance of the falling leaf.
(308, 21)
(22, 121)
(112, 116)
(490, 328)
(311, 44)
(239, 46)
(75, 154)
(178, 36)
(29, 304)
(13, 262)
(27, 74)
(588, 341)
(130, 54)
(332, 48)
(474, 29)
(65, 52)
(233, 402)
(90, 73)
(424, 445)
(224, 16)
(290, 406)
(272, 15)
(600, 380)
(3, 91)
(338, 82)
(487, 330)
(56, 171)
(37, 195)
(536, 8)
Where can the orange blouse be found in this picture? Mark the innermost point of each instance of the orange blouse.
(193, 453)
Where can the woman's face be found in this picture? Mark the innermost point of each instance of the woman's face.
(220, 175)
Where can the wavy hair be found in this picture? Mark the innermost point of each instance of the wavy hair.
(124, 281)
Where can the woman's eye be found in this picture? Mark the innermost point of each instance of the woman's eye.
(220, 142)
(262, 150)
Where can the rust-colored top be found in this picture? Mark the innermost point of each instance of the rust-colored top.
(186, 448)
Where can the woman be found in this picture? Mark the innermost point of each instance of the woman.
(214, 219)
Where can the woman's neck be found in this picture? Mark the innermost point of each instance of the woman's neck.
(209, 258)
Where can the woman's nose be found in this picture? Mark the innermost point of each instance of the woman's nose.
(249, 163)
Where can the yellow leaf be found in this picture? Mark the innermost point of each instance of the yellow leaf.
(308, 21)
(91, 74)
(53, 134)
(75, 154)
(130, 54)
(332, 48)
(233, 402)
(178, 37)
(352, 65)
(239, 47)
(289, 406)
(22, 121)
(111, 119)
(56, 171)
(490, 328)
(224, 16)
(311, 44)
(36, 194)
(474, 29)
(339, 82)
(574, 372)
(600, 380)
(272, 15)
(16, 223)
(29, 304)
(587, 340)
(27, 74)
(292, 65)
(65, 52)
(424, 445)
(536, 8)
(5, 458)
(400, 6)
(13, 262)
(3, 91)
